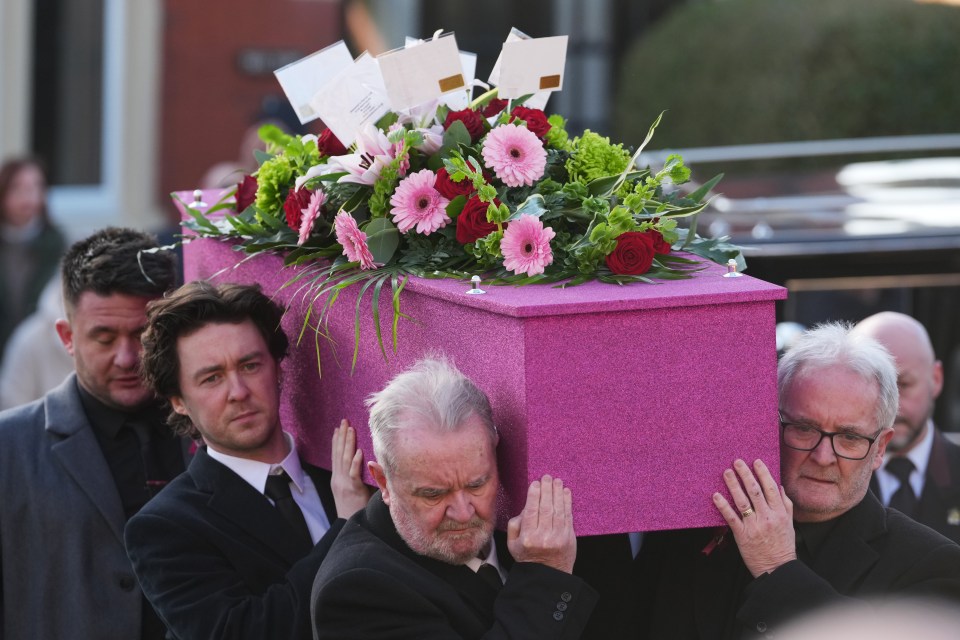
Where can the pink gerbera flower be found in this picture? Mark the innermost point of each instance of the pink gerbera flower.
(353, 240)
(417, 202)
(515, 154)
(526, 245)
(310, 214)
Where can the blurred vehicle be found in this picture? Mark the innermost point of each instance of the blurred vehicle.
(848, 238)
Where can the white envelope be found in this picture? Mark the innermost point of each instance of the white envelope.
(422, 73)
(468, 61)
(354, 98)
(537, 100)
(302, 79)
(532, 66)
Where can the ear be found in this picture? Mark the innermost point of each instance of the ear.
(380, 478)
(65, 333)
(882, 440)
(177, 403)
(937, 374)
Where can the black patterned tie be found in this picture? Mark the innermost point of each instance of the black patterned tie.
(904, 499)
(278, 490)
(490, 575)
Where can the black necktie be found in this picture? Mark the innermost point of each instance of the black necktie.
(904, 499)
(490, 575)
(278, 490)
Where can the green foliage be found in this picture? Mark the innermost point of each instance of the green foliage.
(592, 156)
(750, 71)
(557, 136)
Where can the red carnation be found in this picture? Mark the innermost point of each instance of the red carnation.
(297, 200)
(329, 145)
(659, 244)
(246, 192)
(536, 120)
(472, 120)
(472, 222)
(633, 254)
(494, 107)
(450, 189)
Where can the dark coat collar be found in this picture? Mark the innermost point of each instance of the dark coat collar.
(233, 498)
(376, 517)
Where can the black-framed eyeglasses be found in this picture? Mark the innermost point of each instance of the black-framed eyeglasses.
(803, 436)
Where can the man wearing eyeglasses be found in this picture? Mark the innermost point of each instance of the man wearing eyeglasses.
(819, 539)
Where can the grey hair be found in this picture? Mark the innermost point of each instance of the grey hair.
(832, 344)
(431, 393)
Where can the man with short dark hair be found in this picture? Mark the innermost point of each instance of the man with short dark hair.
(231, 547)
(422, 561)
(76, 464)
(920, 474)
(819, 539)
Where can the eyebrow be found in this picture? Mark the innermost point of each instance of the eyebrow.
(199, 373)
(843, 428)
(478, 482)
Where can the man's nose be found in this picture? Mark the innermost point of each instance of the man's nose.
(127, 354)
(823, 453)
(460, 508)
(237, 387)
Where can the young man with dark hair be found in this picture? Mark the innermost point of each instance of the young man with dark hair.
(76, 464)
(230, 549)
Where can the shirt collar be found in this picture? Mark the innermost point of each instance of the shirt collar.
(255, 472)
(490, 558)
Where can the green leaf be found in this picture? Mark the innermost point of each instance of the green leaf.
(636, 154)
(532, 206)
(705, 188)
(603, 187)
(456, 135)
(262, 156)
(382, 238)
(456, 206)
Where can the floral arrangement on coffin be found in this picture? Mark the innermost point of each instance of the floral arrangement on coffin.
(496, 189)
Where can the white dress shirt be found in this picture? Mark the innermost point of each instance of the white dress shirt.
(304, 492)
(919, 456)
(491, 558)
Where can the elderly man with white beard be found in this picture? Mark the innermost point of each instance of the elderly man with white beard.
(422, 560)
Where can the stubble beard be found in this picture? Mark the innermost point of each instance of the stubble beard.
(449, 548)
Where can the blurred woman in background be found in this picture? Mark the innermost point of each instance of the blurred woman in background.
(30, 246)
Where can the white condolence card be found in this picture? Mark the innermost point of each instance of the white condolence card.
(354, 98)
(531, 66)
(457, 100)
(422, 73)
(302, 79)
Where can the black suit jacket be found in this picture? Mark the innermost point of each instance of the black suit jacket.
(870, 552)
(939, 506)
(374, 586)
(217, 560)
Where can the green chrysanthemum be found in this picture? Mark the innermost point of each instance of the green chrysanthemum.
(594, 157)
(273, 180)
(556, 136)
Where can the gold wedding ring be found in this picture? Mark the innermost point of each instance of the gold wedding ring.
(749, 512)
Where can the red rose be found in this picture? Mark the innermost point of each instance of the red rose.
(633, 254)
(472, 222)
(472, 120)
(450, 189)
(494, 107)
(659, 244)
(246, 192)
(329, 145)
(297, 200)
(536, 120)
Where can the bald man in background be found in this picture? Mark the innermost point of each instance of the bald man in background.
(918, 452)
